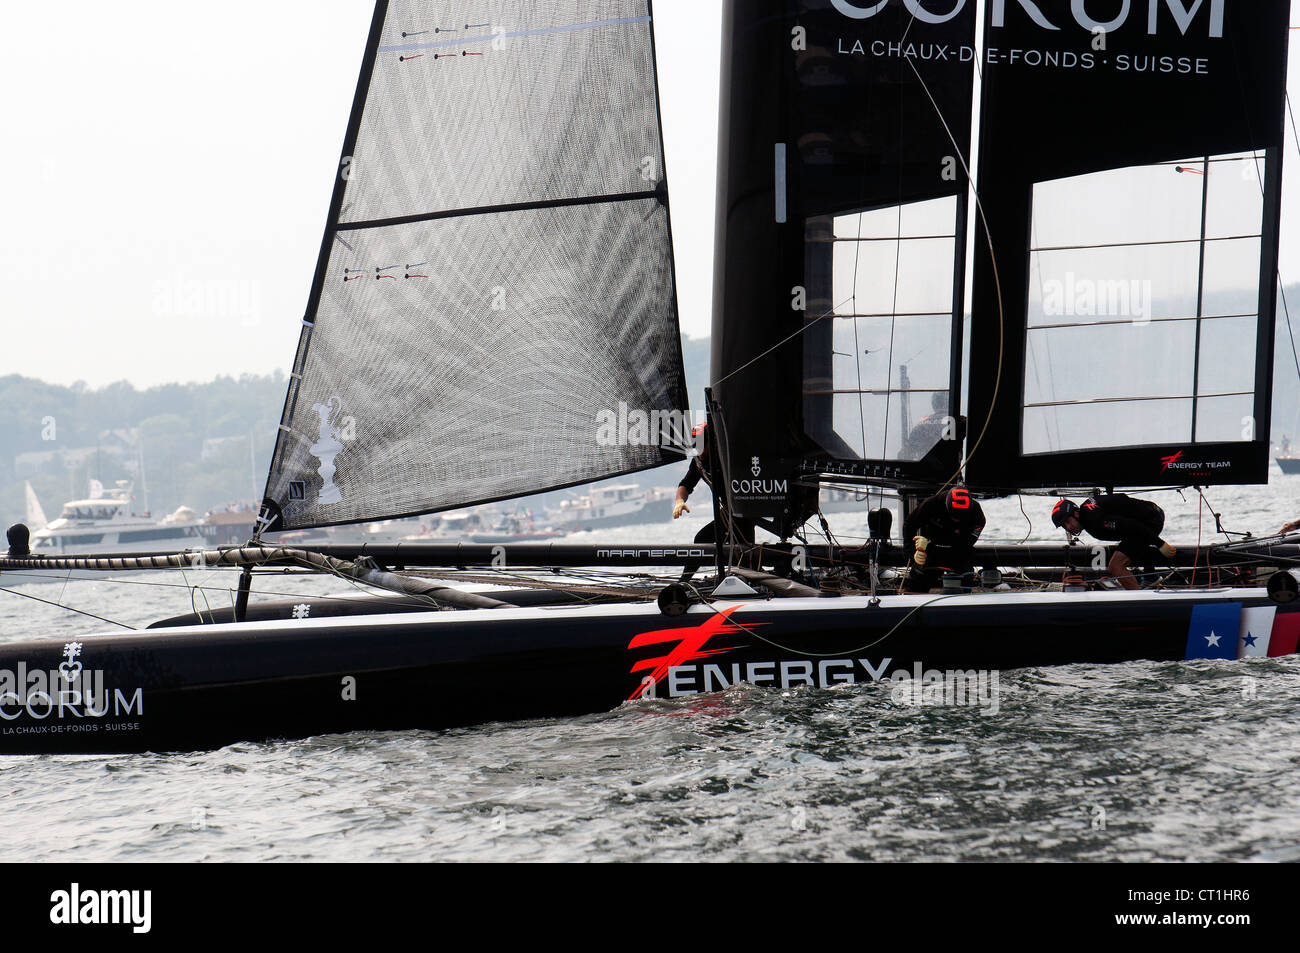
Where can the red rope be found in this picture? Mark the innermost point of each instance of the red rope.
(1196, 560)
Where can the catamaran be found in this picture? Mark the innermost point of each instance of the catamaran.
(496, 272)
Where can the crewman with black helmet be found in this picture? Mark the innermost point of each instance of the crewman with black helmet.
(943, 531)
(19, 541)
(1136, 524)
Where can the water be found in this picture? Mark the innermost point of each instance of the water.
(1139, 762)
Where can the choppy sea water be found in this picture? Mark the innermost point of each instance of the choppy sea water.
(1137, 762)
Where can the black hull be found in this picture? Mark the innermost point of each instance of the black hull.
(1288, 464)
(205, 687)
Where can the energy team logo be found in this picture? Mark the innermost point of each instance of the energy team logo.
(1176, 462)
(690, 647)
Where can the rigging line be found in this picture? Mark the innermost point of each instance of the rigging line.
(218, 588)
(27, 595)
(830, 312)
(1042, 295)
(356, 584)
(794, 651)
(857, 345)
(1255, 157)
(893, 325)
(63, 591)
(997, 281)
(193, 602)
(1196, 560)
(728, 498)
(1295, 134)
(1029, 532)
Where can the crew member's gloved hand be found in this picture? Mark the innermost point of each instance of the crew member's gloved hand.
(1167, 551)
(679, 507)
(919, 556)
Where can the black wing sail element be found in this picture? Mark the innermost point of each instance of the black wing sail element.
(845, 139)
(494, 310)
(1130, 179)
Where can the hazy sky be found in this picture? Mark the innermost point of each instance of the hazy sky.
(168, 168)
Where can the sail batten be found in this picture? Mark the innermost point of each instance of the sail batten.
(496, 279)
(490, 209)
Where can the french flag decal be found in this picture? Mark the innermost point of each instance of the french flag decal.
(1286, 633)
(1256, 631)
(1214, 631)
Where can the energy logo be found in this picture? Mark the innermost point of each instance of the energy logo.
(690, 647)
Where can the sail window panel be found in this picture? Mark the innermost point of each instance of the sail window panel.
(1234, 203)
(899, 354)
(1227, 419)
(861, 354)
(1104, 425)
(881, 427)
(1089, 285)
(561, 104)
(1143, 294)
(1232, 278)
(1140, 204)
(914, 220)
(904, 276)
(847, 422)
(1110, 361)
(1227, 356)
(887, 278)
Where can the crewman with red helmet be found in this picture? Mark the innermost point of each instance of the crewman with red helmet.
(1136, 524)
(943, 532)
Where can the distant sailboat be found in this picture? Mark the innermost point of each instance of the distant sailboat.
(35, 515)
(1288, 463)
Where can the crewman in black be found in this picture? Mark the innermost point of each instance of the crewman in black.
(694, 474)
(1136, 524)
(697, 471)
(943, 531)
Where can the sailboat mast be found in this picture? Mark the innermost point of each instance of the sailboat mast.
(144, 483)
